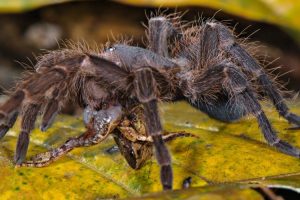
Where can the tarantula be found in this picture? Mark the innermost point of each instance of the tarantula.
(203, 64)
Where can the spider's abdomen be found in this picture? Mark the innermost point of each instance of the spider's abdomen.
(221, 109)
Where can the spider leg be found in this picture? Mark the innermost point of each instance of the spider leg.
(228, 77)
(9, 112)
(160, 30)
(207, 53)
(49, 115)
(12, 104)
(28, 100)
(145, 91)
(203, 98)
(269, 133)
(27, 124)
(248, 63)
(39, 89)
(9, 124)
(101, 124)
(35, 88)
(235, 83)
(46, 158)
(52, 107)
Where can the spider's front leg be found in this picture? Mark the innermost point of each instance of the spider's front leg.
(100, 125)
(146, 92)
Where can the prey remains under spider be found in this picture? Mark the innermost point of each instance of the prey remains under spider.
(202, 63)
(128, 131)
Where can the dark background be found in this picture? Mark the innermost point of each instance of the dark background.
(24, 35)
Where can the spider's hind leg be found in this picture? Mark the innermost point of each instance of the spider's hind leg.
(228, 43)
(160, 30)
(236, 84)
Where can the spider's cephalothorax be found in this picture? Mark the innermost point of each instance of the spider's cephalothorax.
(202, 64)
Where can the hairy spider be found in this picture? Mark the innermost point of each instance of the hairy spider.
(203, 64)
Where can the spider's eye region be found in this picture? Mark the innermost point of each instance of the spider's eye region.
(111, 49)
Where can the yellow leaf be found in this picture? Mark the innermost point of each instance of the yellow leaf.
(223, 153)
(231, 192)
(284, 13)
(24, 5)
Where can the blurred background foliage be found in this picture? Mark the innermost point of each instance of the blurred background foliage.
(27, 26)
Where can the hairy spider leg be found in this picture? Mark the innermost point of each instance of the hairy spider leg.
(160, 30)
(9, 112)
(94, 134)
(8, 124)
(46, 81)
(145, 89)
(43, 89)
(47, 77)
(101, 124)
(28, 100)
(243, 58)
(53, 106)
(221, 109)
(27, 124)
(235, 83)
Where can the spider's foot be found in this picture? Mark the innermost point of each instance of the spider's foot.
(22, 146)
(294, 119)
(287, 148)
(3, 130)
